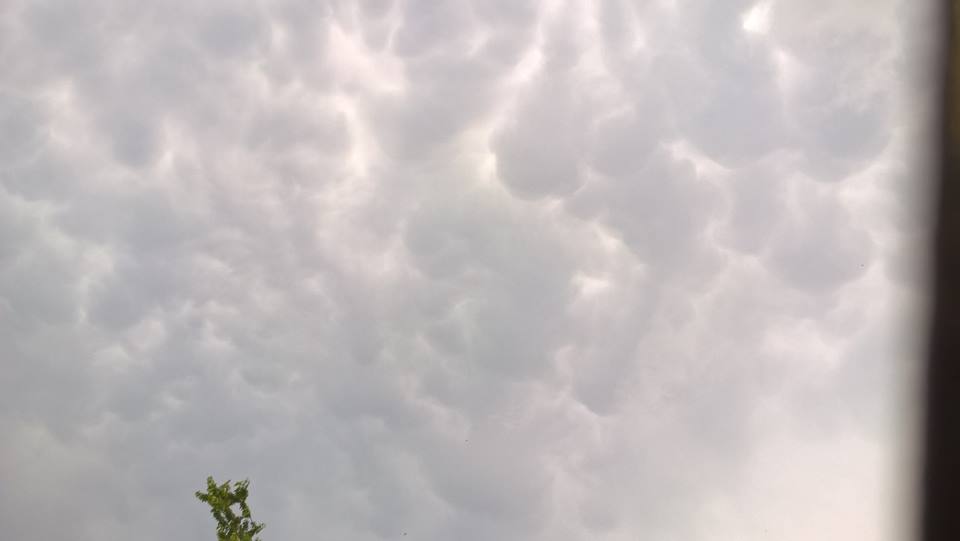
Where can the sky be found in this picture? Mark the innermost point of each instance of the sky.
(493, 270)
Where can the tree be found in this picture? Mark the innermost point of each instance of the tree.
(230, 526)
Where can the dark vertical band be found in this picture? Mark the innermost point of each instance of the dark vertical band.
(940, 516)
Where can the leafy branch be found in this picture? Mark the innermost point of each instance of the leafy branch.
(230, 526)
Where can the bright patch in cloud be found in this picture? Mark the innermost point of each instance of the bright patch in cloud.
(757, 19)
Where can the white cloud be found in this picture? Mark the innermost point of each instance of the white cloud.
(757, 19)
(475, 270)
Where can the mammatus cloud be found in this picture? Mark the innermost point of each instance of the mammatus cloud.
(556, 270)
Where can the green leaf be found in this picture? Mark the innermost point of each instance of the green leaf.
(221, 498)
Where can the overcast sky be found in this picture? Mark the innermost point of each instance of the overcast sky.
(494, 270)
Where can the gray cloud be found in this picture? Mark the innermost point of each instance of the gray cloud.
(516, 270)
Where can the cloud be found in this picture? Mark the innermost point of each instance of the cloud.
(516, 270)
